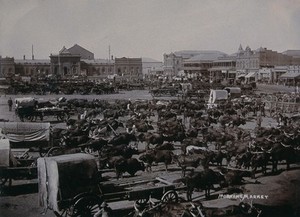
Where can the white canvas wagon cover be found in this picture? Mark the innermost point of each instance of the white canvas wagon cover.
(25, 132)
(63, 177)
(4, 153)
(217, 95)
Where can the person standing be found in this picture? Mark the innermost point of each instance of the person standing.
(10, 103)
(259, 120)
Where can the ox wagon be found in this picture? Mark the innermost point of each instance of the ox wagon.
(30, 109)
(15, 164)
(164, 92)
(33, 136)
(71, 185)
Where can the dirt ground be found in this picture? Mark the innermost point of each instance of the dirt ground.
(282, 188)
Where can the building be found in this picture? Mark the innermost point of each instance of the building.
(65, 64)
(224, 69)
(32, 67)
(7, 67)
(98, 69)
(289, 75)
(128, 69)
(173, 63)
(200, 65)
(249, 62)
(151, 68)
(84, 53)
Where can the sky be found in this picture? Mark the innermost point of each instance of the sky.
(146, 28)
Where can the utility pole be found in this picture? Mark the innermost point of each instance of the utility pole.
(32, 56)
(108, 53)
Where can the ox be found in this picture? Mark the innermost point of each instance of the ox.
(202, 180)
(131, 166)
(125, 138)
(184, 161)
(157, 156)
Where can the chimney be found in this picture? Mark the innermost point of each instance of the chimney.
(112, 57)
(23, 57)
(32, 57)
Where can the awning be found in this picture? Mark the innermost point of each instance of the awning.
(250, 75)
(290, 75)
(241, 76)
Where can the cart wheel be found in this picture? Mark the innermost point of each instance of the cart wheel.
(142, 201)
(170, 197)
(87, 206)
(62, 117)
(43, 152)
(51, 151)
(3, 181)
(68, 212)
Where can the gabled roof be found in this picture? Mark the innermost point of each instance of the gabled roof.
(64, 51)
(78, 46)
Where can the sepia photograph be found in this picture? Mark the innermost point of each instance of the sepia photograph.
(150, 108)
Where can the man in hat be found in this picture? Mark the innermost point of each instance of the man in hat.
(105, 211)
(10, 103)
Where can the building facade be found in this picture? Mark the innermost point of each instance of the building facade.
(32, 68)
(98, 69)
(172, 64)
(128, 69)
(7, 67)
(65, 64)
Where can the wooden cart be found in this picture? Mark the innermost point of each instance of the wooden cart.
(16, 164)
(71, 185)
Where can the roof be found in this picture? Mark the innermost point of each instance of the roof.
(35, 61)
(64, 51)
(75, 46)
(294, 53)
(149, 60)
(250, 75)
(188, 54)
(98, 61)
(290, 75)
(208, 56)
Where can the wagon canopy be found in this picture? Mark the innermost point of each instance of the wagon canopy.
(4, 153)
(25, 132)
(25, 102)
(216, 95)
(63, 177)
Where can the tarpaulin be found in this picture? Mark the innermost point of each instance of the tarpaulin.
(65, 176)
(25, 132)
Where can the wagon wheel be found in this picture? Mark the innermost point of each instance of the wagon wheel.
(42, 152)
(29, 117)
(87, 206)
(65, 212)
(142, 201)
(51, 150)
(62, 116)
(3, 181)
(169, 197)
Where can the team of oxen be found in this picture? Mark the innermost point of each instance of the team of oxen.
(209, 143)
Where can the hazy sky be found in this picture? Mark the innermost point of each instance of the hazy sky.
(146, 28)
